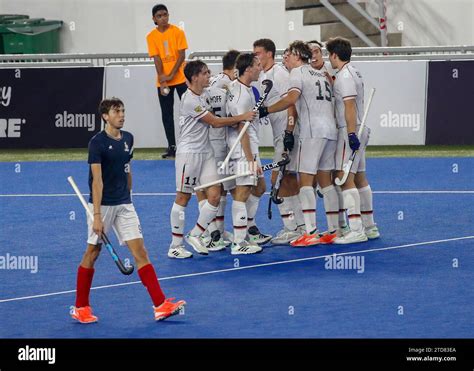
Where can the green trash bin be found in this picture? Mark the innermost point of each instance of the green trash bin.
(8, 18)
(32, 36)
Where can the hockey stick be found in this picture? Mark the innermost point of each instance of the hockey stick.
(108, 245)
(276, 188)
(348, 165)
(268, 86)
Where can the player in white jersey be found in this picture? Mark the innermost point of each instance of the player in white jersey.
(195, 163)
(246, 190)
(349, 96)
(283, 141)
(312, 94)
(318, 63)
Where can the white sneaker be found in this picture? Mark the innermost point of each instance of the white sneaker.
(217, 242)
(179, 252)
(228, 238)
(284, 237)
(254, 236)
(372, 232)
(351, 237)
(196, 244)
(245, 247)
(342, 231)
(205, 239)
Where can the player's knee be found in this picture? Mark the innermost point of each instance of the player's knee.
(182, 199)
(91, 255)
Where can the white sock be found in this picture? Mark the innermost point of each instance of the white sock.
(342, 210)
(297, 210)
(287, 215)
(366, 206)
(177, 219)
(220, 214)
(206, 215)
(239, 220)
(352, 204)
(331, 204)
(308, 205)
(252, 206)
(200, 205)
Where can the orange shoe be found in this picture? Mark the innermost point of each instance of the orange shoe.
(83, 314)
(168, 309)
(306, 240)
(327, 238)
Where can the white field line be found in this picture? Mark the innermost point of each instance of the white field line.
(174, 194)
(246, 267)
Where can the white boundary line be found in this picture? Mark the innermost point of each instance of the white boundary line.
(174, 194)
(246, 267)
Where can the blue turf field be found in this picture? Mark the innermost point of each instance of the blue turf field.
(411, 266)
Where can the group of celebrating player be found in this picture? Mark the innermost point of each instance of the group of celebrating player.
(315, 111)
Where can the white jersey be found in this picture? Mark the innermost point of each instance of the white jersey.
(280, 78)
(193, 134)
(314, 106)
(217, 100)
(348, 85)
(221, 80)
(241, 99)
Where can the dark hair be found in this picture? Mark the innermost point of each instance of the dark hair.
(301, 49)
(229, 58)
(243, 61)
(108, 103)
(193, 68)
(157, 8)
(315, 42)
(341, 47)
(266, 44)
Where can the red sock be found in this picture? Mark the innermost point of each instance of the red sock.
(84, 283)
(150, 281)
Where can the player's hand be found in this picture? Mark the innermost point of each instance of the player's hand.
(354, 141)
(254, 168)
(262, 112)
(329, 78)
(249, 116)
(165, 78)
(164, 90)
(98, 226)
(288, 140)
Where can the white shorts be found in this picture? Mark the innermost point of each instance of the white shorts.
(219, 148)
(279, 148)
(316, 154)
(343, 151)
(239, 166)
(123, 217)
(193, 169)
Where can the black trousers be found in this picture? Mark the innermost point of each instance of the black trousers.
(167, 105)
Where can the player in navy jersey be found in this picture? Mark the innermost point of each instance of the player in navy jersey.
(110, 182)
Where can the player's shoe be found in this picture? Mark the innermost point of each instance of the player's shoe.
(342, 231)
(372, 233)
(217, 242)
(308, 239)
(351, 237)
(256, 237)
(228, 238)
(327, 238)
(83, 314)
(168, 309)
(197, 244)
(244, 248)
(205, 239)
(284, 237)
(170, 152)
(179, 252)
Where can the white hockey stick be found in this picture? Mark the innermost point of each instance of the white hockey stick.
(231, 177)
(348, 165)
(268, 86)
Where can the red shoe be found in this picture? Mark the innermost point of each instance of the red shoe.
(306, 240)
(83, 314)
(327, 238)
(168, 309)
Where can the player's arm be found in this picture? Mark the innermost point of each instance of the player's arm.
(129, 176)
(179, 62)
(218, 122)
(350, 114)
(97, 189)
(289, 100)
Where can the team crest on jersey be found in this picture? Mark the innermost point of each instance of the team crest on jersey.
(126, 149)
(198, 109)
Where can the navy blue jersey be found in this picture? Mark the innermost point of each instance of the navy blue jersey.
(114, 155)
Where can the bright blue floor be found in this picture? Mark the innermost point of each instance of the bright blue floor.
(298, 299)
